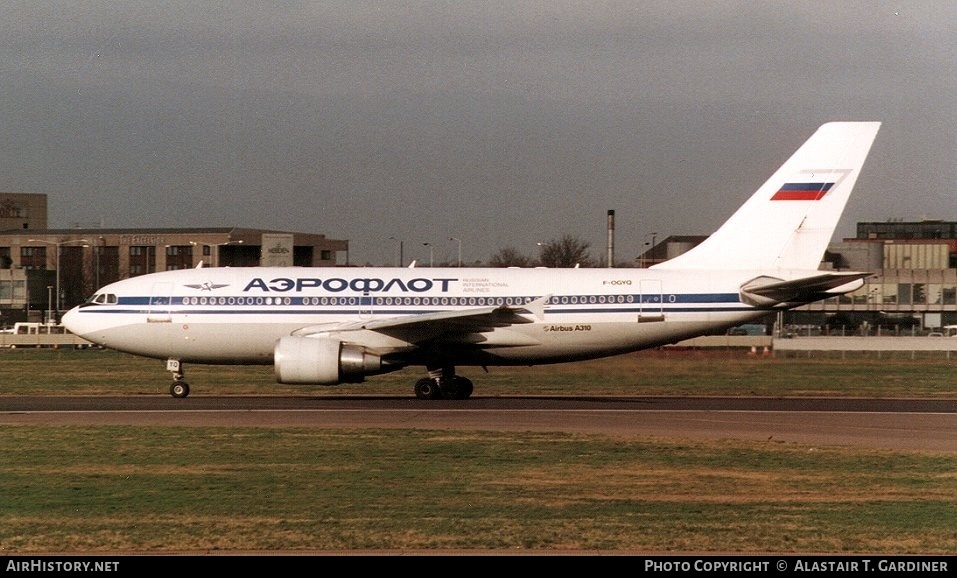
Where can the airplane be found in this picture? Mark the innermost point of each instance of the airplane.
(326, 326)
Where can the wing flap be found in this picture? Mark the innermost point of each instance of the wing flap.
(467, 324)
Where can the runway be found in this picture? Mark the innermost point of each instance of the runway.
(927, 425)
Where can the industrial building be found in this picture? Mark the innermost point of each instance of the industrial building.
(914, 286)
(47, 271)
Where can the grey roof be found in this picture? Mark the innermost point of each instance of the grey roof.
(141, 231)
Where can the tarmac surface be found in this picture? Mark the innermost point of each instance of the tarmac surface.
(926, 425)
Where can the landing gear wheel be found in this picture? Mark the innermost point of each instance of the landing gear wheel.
(179, 389)
(464, 387)
(455, 387)
(427, 388)
(449, 388)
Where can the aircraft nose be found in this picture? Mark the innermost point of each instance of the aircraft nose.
(69, 320)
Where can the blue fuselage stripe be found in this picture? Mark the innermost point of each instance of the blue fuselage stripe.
(654, 299)
(380, 305)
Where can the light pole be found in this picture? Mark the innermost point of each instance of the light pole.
(401, 256)
(652, 249)
(195, 244)
(431, 253)
(459, 241)
(49, 316)
(98, 250)
(58, 244)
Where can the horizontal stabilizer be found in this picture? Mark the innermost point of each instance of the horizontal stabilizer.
(764, 291)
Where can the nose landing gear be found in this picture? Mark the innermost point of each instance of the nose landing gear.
(178, 388)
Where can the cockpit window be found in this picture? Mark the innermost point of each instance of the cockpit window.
(103, 299)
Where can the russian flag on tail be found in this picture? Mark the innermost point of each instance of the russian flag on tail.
(802, 191)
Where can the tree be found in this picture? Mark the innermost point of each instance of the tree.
(568, 251)
(509, 257)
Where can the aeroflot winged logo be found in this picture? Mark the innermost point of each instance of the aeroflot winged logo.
(207, 286)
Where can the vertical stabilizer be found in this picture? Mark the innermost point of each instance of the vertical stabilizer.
(789, 221)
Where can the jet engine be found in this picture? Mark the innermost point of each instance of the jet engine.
(322, 361)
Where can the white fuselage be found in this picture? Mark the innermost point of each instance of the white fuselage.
(236, 315)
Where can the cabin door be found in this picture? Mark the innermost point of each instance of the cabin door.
(365, 305)
(649, 301)
(160, 303)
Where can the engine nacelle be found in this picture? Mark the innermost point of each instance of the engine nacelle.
(322, 361)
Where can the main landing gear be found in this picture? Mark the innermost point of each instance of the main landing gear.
(440, 384)
(443, 384)
(178, 388)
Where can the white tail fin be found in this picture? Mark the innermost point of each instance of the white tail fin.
(789, 221)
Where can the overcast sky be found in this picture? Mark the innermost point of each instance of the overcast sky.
(498, 123)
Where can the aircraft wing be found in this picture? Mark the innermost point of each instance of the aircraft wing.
(763, 291)
(427, 326)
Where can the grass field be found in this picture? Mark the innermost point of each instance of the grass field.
(659, 372)
(157, 490)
